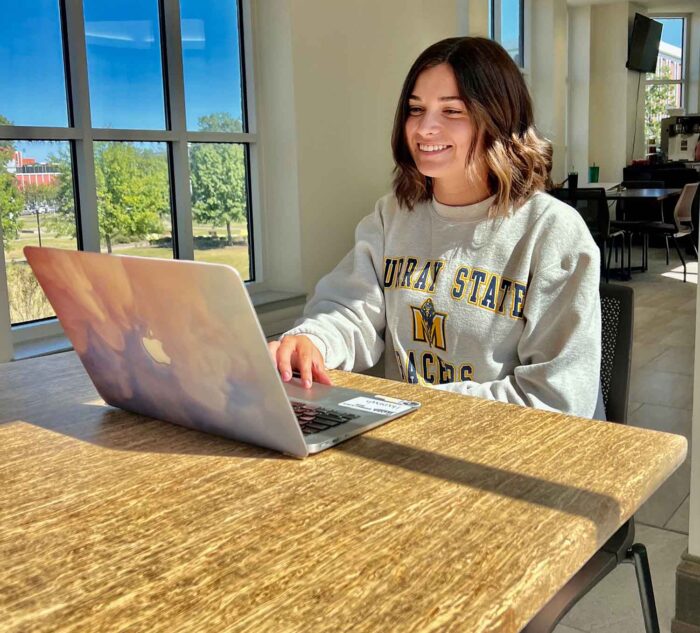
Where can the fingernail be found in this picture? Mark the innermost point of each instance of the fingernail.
(286, 376)
(307, 384)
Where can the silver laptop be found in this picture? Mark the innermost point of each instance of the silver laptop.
(179, 341)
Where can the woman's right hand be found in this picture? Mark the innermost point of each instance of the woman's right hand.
(298, 353)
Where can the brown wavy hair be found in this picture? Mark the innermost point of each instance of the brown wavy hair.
(517, 158)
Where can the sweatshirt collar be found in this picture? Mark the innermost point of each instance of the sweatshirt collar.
(476, 211)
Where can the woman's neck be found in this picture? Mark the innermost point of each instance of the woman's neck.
(460, 194)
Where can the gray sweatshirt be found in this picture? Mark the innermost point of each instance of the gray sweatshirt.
(505, 308)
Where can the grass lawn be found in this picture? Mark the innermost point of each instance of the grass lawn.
(27, 301)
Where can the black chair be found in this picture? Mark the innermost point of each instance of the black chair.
(617, 311)
(593, 208)
(682, 223)
(632, 215)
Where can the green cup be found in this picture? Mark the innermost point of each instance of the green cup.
(593, 173)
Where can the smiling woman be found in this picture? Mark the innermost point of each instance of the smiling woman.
(467, 277)
(488, 127)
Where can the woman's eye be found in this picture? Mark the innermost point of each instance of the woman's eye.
(453, 111)
(415, 110)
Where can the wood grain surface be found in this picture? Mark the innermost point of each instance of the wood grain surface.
(466, 515)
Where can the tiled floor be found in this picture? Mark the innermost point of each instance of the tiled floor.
(661, 395)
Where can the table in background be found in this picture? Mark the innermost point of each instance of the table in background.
(467, 514)
(613, 193)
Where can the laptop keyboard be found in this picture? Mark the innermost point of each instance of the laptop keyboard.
(313, 419)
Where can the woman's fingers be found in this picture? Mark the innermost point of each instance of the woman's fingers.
(319, 372)
(272, 347)
(302, 362)
(298, 353)
(284, 356)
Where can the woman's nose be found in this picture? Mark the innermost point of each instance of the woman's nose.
(429, 124)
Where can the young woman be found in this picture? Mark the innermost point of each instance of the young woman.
(468, 277)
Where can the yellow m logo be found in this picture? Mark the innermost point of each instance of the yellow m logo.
(429, 325)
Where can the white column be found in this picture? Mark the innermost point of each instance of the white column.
(694, 528)
(548, 74)
(6, 350)
(578, 119)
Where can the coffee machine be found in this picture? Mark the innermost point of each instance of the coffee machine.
(679, 136)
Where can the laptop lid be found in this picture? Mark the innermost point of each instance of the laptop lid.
(174, 340)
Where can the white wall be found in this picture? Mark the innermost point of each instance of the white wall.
(608, 89)
(329, 77)
(578, 111)
(548, 59)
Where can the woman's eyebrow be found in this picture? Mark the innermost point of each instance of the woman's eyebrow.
(417, 98)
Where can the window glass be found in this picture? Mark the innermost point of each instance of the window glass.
(37, 208)
(669, 63)
(133, 199)
(658, 99)
(32, 77)
(509, 36)
(124, 64)
(664, 88)
(212, 65)
(220, 205)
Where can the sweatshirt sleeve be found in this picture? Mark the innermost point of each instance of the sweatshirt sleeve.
(345, 317)
(560, 347)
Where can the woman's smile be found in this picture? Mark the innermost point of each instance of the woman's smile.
(433, 149)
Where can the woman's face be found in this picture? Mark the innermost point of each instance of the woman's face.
(439, 130)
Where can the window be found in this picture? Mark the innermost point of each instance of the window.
(666, 88)
(506, 26)
(124, 127)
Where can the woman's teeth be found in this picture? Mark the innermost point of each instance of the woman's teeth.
(432, 148)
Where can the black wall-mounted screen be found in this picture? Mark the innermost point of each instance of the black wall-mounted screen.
(644, 44)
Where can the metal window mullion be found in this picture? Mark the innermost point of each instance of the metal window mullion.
(83, 150)
(37, 133)
(497, 20)
(179, 157)
(521, 32)
(253, 167)
(136, 136)
(221, 137)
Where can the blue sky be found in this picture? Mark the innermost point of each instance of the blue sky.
(124, 62)
(672, 31)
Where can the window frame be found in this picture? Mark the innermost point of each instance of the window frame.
(495, 7)
(81, 136)
(683, 81)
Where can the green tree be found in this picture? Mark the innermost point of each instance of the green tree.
(659, 97)
(7, 148)
(11, 205)
(218, 176)
(11, 199)
(132, 192)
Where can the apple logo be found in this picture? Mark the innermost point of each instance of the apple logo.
(154, 348)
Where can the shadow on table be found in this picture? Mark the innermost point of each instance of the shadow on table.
(542, 492)
(116, 430)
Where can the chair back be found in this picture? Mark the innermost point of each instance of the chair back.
(592, 207)
(617, 318)
(682, 212)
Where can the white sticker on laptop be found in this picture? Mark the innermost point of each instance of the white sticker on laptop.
(375, 405)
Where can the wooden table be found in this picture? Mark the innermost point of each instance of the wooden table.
(467, 515)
